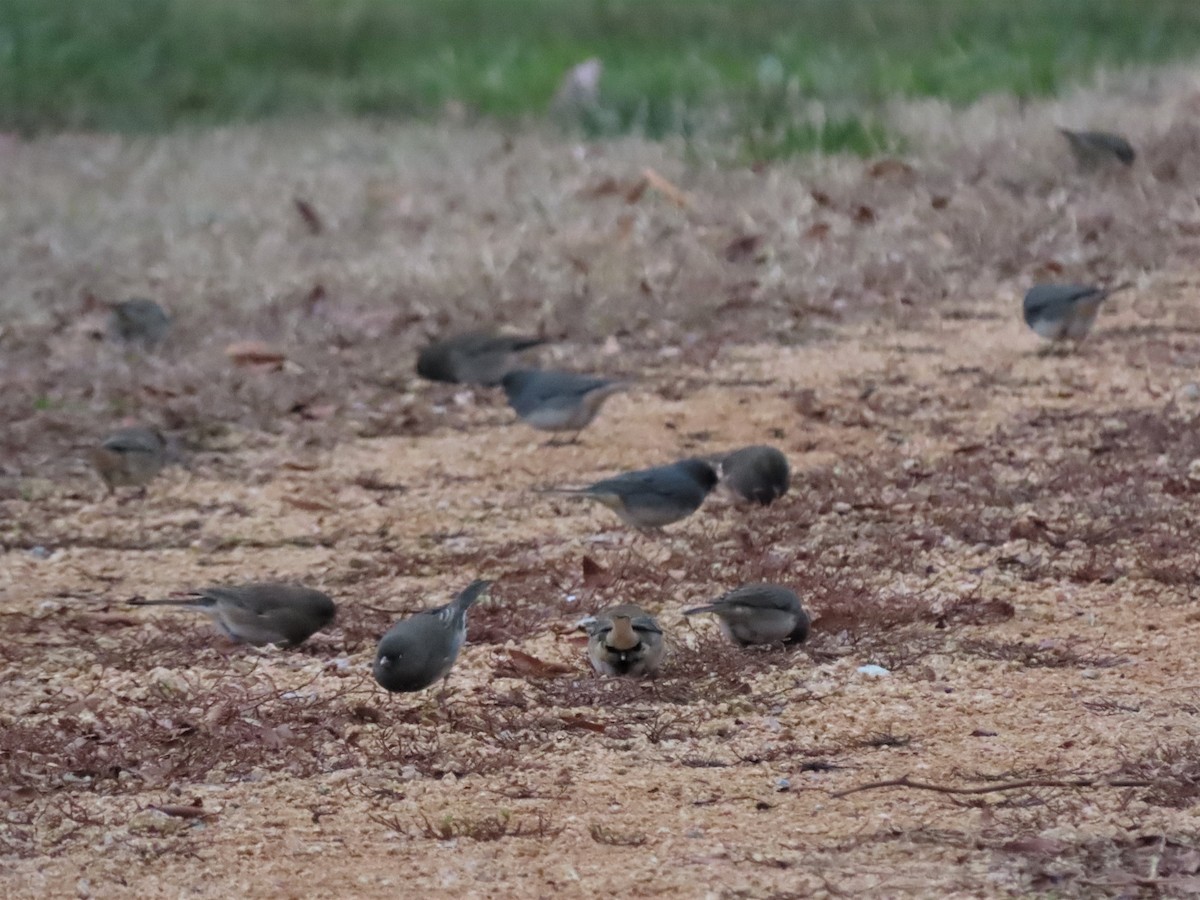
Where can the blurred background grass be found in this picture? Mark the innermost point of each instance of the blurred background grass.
(755, 70)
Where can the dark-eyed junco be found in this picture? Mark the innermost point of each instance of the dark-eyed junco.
(419, 650)
(1094, 148)
(262, 613)
(757, 474)
(625, 640)
(130, 456)
(652, 498)
(557, 401)
(139, 321)
(1060, 312)
(473, 357)
(759, 614)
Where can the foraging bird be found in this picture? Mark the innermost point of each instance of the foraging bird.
(130, 456)
(262, 613)
(1094, 148)
(759, 614)
(557, 401)
(652, 498)
(473, 357)
(757, 474)
(1059, 312)
(419, 650)
(139, 321)
(625, 640)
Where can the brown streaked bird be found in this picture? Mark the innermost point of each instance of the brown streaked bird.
(625, 640)
(1095, 148)
(473, 357)
(759, 614)
(130, 456)
(757, 474)
(260, 613)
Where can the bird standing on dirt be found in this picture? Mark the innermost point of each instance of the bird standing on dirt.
(757, 474)
(139, 321)
(1061, 312)
(625, 640)
(473, 357)
(652, 498)
(419, 650)
(557, 401)
(1095, 148)
(130, 457)
(261, 613)
(759, 614)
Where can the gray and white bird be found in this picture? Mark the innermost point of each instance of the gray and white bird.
(421, 649)
(139, 321)
(652, 498)
(473, 357)
(260, 613)
(557, 401)
(1062, 312)
(759, 614)
(130, 456)
(625, 640)
(757, 474)
(1096, 148)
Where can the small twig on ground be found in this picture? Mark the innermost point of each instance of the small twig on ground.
(1094, 781)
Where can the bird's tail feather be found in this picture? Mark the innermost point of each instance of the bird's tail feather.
(470, 594)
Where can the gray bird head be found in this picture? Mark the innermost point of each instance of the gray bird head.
(139, 321)
(130, 456)
(757, 474)
(700, 470)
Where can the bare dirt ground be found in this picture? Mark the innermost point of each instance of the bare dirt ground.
(1010, 535)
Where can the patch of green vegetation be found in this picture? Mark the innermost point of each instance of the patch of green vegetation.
(671, 66)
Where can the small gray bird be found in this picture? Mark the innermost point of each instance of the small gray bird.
(557, 401)
(262, 613)
(759, 614)
(130, 457)
(625, 640)
(419, 650)
(139, 321)
(473, 357)
(1095, 148)
(1061, 312)
(652, 498)
(757, 474)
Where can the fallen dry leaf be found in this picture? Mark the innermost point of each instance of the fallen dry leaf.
(891, 168)
(183, 812)
(743, 248)
(255, 353)
(308, 213)
(666, 188)
(309, 504)
(525, 665)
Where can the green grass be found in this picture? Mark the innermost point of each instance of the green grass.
(671, 66)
